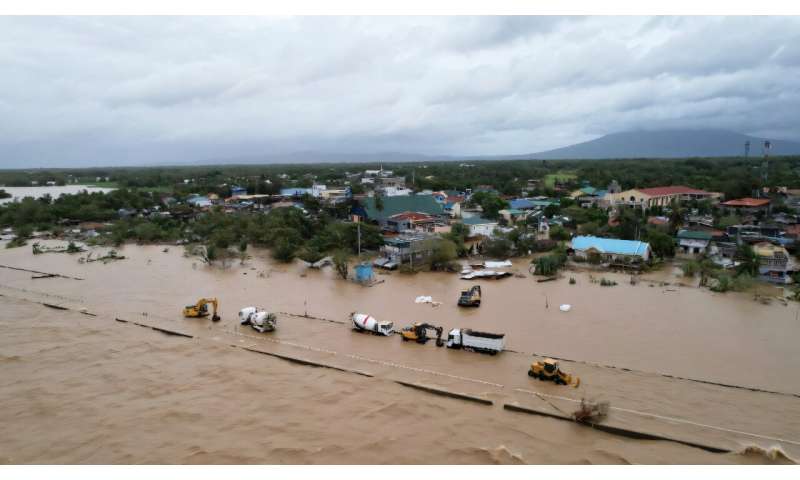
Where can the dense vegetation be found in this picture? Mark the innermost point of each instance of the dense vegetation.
(735, 177)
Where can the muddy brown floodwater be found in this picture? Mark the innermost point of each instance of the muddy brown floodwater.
(677, 362)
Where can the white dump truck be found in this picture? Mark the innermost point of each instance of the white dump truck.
(366, 323)
(261, 320)
(483, 342)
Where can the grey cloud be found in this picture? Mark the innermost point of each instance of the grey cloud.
(100, 90)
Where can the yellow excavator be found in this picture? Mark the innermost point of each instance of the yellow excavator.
(200, 309)
(549, 370)
(418, 332)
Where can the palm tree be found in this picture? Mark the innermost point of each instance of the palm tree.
(749, 260)
(675, 217)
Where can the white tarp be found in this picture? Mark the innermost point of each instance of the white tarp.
(497, 264)
(565, 307)
(426, 299)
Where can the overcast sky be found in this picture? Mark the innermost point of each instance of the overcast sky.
(141, 90)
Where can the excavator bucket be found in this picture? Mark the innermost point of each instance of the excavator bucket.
(215, 318)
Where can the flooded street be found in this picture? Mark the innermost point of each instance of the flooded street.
(155, 398)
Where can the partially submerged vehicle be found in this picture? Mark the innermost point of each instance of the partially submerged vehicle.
(261, 320)
(200, 309)
(418, 332)
(482, 342)
(471, 297)
(550, 370)
(366, 323)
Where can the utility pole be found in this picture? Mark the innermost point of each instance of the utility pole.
(358, 227)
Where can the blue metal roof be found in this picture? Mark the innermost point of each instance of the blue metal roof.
(610, 245)
(521, 203)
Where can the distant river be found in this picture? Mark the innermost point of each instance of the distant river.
(18, 193)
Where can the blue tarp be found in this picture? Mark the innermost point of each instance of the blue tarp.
(363, 272)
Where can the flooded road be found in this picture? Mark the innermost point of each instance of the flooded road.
(679, 331)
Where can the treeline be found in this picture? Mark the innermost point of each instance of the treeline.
(735, 177)
(46, 212)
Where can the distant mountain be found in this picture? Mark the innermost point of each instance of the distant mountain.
(633, 144)
(324, 157)
(668, 144)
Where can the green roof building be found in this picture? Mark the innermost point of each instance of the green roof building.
(402, 203)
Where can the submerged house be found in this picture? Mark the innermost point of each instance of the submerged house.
(611, 249)
(693, 243)
(775, 265)
(480, 226)
(407, 248)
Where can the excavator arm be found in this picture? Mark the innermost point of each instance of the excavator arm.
(200, 309)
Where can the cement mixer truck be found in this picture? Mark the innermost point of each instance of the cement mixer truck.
(261, 320)
(365, 323)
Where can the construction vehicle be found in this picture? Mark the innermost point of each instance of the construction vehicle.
(365, 323)
(549, 370)
(200, 309)
(471, 297)
(418, 332)
(475, 341)
(261, 320)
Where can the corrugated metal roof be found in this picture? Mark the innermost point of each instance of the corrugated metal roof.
(478, 221)
(404, 203)
(694, 235)
(610, 245)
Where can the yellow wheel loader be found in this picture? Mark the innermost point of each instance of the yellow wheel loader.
(200, 309)
(549, 370)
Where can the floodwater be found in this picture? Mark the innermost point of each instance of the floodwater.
(89, 389)
(18, 193)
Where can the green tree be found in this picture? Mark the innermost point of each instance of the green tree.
(662, 244)
(589, 228)
(498, 247)
(557, 232)
(748, 259)
(443, 255)
(490, 203)
(340, 262)
(675, 217)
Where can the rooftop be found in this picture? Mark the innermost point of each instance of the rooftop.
(478, 221)
(400, 204)
(610, 245)
(671, 190)
(694, 235)
(747, 202)
(414, 216)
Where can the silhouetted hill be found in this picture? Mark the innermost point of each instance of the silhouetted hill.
(669, 144)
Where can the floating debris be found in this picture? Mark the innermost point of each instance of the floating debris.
(109, 257)
(591, 412)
